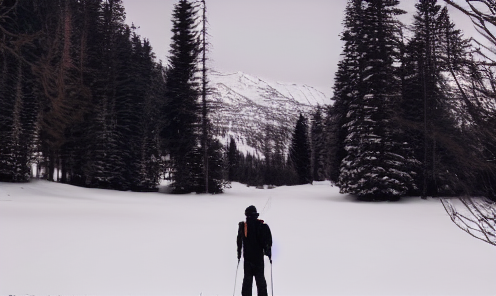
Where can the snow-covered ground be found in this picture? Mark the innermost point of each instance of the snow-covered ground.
(58, 239)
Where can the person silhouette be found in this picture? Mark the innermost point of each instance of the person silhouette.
(255, 240)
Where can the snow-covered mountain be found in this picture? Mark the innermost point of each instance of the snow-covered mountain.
(252, 110)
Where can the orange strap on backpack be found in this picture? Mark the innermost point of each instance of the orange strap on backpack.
(246, 227)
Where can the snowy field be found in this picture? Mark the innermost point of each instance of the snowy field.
(58, 239)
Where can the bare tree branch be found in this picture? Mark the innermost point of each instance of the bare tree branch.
(479, 219)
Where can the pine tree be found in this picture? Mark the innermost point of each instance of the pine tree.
(116, 144)
(182, 109)
(217, 180)
(213, 157)
(58, 73)
(318, 146)
(425, 105)
(233, 160)
(333, 144)
(347, 86)
(80, 143)
(148, 151)
(75, 90)
(299, 152)
(375, 162)
(19, 52)
(106, 164)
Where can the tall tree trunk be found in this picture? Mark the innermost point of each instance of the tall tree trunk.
(51, 166)
(424, 169)
(204, 98)
(63, 169)
(17, 125)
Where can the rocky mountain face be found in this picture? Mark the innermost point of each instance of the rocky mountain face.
(258, 114)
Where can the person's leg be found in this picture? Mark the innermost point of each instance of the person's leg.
(260, 279)
(248, 279)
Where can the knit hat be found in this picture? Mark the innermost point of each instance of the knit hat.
(251, 211)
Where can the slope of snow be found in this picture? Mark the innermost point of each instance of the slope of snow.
(63, 240)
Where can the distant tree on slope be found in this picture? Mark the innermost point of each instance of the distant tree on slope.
(233, 160)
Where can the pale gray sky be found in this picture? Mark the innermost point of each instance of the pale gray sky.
(293, 41)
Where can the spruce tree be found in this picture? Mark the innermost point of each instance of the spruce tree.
(182, 109)
(376, 163)
(78, 149)
(299, 152)
(106, 161)
(74, 91)
(333, 143)
(233, 161)
(213, 162)
(318, 146)
(217, 180)
(425, 104)
(347, 86)
(19, 89)
(148, 150)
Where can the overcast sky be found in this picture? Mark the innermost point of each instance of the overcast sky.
(293, 41)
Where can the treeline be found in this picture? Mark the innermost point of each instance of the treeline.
(413, 112)
(299, 162)
(79, 90)
(400, 123)
(82, 95)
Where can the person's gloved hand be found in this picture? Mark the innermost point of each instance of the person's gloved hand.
(268, 252)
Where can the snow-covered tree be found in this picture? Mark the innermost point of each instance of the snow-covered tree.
(347, 86)
(376, 162)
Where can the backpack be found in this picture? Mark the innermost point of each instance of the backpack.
(263, 236)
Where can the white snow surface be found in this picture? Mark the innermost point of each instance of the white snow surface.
(59, 239)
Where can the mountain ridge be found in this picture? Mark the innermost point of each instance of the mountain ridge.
(257, 113)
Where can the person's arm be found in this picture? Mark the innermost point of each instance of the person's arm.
(268, 241)
(239, 239)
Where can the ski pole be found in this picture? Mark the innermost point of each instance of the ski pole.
(235, 278)
(271, 277)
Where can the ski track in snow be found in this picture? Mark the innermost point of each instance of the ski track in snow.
(63, 240)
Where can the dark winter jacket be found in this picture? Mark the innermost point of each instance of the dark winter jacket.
(255, 238)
